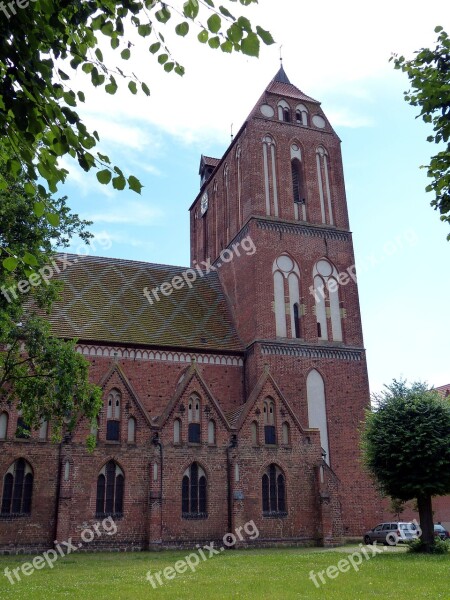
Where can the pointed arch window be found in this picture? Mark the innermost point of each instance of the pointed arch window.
(301, 115)
(317, 410)
(131, 430)
(193, 493)
(273, 492)
(323, 177)
(23, 430)
(285, 434)
(270, 436)
(284, 111)
(298, 184)
(211, 433)
(254, 432)
(43, 431)
(239, 186)
(3, 425)
(110, 491)
(270, 176)
(17, 489)
(177, 431)
(113, 416)
(286, 282)
(326, 291)
(194, 430)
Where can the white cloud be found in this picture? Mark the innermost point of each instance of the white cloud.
(132, 213)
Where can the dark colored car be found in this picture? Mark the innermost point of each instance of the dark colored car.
(440, 531)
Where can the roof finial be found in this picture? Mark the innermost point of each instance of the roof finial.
(231, 132)
(281, 56)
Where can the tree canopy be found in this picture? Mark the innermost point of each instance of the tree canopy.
(429, 77)
(42, 376)
(406, 446)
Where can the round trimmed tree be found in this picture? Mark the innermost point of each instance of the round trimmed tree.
(406, 447)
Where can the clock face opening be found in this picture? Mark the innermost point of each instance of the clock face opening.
(204, 204)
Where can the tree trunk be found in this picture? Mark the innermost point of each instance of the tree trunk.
(426, 521)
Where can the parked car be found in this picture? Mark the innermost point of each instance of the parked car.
(440, 531)
(391, 533)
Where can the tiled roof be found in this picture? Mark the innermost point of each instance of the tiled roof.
(289, 90)
(103, 301)
(210, 161)
(444, 390)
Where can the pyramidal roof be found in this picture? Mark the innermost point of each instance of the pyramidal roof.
(281, 85)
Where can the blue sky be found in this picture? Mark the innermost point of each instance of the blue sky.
(339, 54)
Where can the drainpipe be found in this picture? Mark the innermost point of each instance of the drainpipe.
(231, 446)
(58, 486)
(156, 442)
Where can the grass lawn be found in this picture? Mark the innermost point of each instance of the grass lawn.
(275, 574)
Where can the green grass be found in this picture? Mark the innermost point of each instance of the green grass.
(272, 574)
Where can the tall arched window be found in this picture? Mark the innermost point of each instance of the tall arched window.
(193, 493)
(211, 432)
(284, 111)
(131, 430)
(298, 184)
(226, 210)
(270, 176)
(286, 281)
(113, 416)
(239, 186)
(285, 432)
(43, 431)
(273, 492)
(317, 410)
(254, 432)
(324, 185)
(17, 489)
(326, 288)
(3, 425)
(177, 431)
(110, 490)
(23, 430)
(194, 431)
(301, 114)
(270, 436)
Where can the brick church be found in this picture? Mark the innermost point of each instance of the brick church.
(233, 389)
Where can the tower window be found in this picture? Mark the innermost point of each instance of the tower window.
(297, 320)
(269, 422)
(284, 111)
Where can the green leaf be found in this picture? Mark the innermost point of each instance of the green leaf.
(39, 208)
(266, 36)
(162, 58)
(227, 46)
(145, 89)
(132, 87)
(115, 43)
(63, 75)
(119, 182)
(214, 23)
(214, 42)
(134, 184)
(53, 219)
(182, 29)
(104, 176)
(10, 263)
(203, 36)
(111, 87)
(163, 15)
(30, 259)
(125, 54)
(98, 54)
(226, 12)
(145, 30)
(250, 45)
(234, 33)
(30, 188)
(190, 9)
(168, 67)
(155, 47)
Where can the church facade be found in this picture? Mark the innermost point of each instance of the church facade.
(233, 389)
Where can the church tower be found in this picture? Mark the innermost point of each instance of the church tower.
(271, 217)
